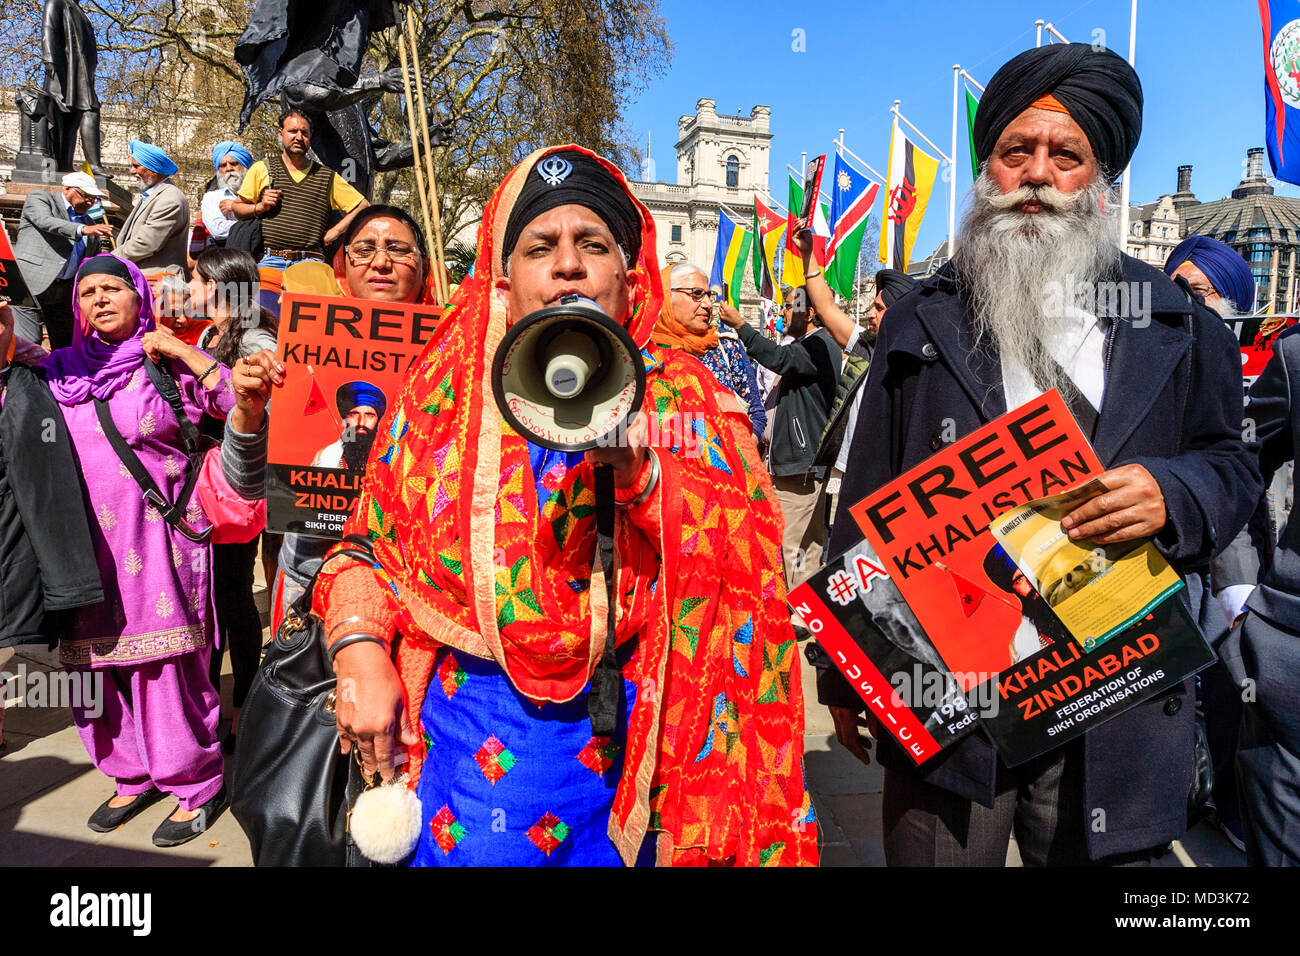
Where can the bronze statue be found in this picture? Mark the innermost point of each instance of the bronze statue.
(69, 54)
(66, 104)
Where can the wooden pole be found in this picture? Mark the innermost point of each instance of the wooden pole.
(441, 280)
(410, 117)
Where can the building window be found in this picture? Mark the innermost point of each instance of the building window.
(733, 172)
(677, 233)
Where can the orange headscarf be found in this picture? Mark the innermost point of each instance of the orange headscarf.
(672, 334)
(467, 558)
(427, 290)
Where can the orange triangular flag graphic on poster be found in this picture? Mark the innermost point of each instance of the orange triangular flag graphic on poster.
(315, 399)
(971, 594)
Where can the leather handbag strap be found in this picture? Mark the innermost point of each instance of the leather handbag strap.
(173, 513)
(606, 694)
(361, 550)
(165, 383)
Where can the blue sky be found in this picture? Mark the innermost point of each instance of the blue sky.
(1201, 64)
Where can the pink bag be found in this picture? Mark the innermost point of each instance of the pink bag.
(235, 520)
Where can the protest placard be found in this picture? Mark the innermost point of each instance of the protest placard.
(12, 284)
(977, 625)
(857, 615)
(346, 361)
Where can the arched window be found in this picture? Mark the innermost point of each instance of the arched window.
(733, 172)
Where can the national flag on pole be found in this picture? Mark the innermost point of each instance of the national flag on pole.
(852, 196)
(972, 105)
(768, 230)
(730, 257)
(315, 398)
(911, 179)
(1281, 22)
(792, 268)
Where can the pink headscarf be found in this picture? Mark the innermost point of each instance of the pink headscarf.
(91, 367)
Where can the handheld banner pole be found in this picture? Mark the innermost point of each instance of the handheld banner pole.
(952, 164)
(410, 118)
(440, 280)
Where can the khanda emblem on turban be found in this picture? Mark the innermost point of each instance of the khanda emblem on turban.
(554, 170)
(902, 200)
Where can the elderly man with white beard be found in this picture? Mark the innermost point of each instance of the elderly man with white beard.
(231, 162)
(1158, 393)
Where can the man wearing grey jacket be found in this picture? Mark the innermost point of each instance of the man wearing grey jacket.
(54, 235)
(155, 234)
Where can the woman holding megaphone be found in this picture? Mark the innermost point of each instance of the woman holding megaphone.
(469, 645)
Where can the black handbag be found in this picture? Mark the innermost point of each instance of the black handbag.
(291, 789)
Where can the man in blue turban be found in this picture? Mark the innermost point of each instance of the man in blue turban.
(1216, 272)
(361, 406)
(231, 161)
(155, 234)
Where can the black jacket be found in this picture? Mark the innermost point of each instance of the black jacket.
(1266, 647)
(47, 559)
(1172, 404)
(809, 369)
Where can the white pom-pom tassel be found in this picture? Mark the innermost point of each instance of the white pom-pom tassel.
(385, 822)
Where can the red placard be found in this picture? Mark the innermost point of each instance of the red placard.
(12, 285)
(876, 691)
(930, 527)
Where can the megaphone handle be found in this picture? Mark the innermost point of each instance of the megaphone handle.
(605, 697)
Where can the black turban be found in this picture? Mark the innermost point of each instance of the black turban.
(106, 265)
(1098, 87)
(566, 177)
(893, 285)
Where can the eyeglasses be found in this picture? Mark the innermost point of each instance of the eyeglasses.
(361, 253)
(697, 294)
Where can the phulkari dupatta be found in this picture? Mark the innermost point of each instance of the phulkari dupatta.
(714, 745)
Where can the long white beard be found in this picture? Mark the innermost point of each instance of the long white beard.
(1020, 268)
(231, 180)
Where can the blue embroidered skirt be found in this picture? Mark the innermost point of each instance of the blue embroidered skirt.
(509, 783)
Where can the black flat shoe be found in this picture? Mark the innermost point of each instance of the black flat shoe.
(173, 833)
(107, 819)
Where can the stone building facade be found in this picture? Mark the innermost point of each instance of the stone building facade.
(1263, 226)
(722, 161)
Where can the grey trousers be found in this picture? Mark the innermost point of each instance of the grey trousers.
(1040, 801)
(1268, 775)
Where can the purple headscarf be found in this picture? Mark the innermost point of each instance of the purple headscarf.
(91, 367)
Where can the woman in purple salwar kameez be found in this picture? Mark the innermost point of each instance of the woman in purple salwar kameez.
(154, 727)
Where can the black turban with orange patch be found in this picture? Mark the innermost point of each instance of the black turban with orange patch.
(1096, 87)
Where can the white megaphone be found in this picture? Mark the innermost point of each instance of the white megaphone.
(568, 377)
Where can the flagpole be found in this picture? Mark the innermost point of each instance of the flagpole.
(739, 219)
(929, 142)
(952, 166)
(1124, 186)
(973, 82)
(1038, 41)
(866, 170)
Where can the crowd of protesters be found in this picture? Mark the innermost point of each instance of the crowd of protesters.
(470, 642)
